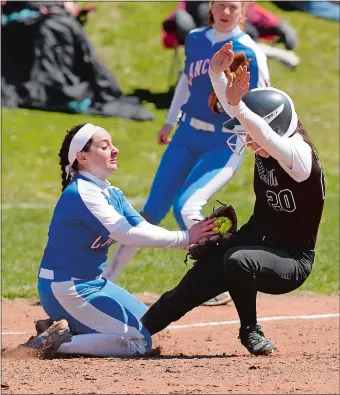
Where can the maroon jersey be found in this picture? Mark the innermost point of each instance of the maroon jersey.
(287, 213)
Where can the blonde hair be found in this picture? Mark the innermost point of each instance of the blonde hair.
(240, 22)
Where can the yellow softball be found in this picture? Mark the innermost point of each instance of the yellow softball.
(224, 227)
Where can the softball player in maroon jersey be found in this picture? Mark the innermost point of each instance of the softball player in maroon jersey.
(274, 251)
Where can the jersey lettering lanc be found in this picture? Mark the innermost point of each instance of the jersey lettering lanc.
(199, 49)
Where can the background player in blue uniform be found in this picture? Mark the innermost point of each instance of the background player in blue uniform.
(197, 161)
(88, 218)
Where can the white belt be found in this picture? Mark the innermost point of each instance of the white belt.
(198, 124)
(201, 125)
(48, 274)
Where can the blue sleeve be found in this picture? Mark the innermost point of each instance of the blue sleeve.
(132, 216)
(72, 208)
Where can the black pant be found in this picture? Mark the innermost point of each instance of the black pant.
(241, 270)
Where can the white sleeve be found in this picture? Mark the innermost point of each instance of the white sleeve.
(147, 235)
(293, 154)
(302, 159)
(143, 235)
(181, 96)
(264, 78)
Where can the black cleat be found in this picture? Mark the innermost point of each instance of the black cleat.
(42, 325)
(253, 339)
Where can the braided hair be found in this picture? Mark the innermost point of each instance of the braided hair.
(63, 154)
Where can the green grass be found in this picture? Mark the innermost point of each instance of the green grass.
(127, 38)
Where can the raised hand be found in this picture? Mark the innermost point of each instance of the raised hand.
(202, 229)
(222, 58)
(239, 86)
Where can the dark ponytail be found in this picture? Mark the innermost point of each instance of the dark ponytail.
(63, 154)
(304, 133)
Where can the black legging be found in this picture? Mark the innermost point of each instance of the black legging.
(240, 270)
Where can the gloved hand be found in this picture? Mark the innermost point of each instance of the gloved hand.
(240, 60)
(226, 215)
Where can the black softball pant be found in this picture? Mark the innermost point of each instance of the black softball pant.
(240, 270)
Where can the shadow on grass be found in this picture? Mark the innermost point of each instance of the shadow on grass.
(162, 100)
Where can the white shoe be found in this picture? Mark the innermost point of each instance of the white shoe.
(218, 300)
(288, 58)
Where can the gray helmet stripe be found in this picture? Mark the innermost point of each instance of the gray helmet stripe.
(271, 116)
(294, 121)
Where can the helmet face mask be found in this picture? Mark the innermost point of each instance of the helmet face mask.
(272, 105)
(237, 141)
(240, 145)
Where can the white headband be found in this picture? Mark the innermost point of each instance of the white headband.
(78, 143)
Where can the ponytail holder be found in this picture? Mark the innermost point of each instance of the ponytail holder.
(70, 171)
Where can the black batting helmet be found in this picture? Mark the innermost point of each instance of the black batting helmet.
(271, 104)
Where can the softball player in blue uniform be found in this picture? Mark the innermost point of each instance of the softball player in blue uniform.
(88, 218)
(197, 162)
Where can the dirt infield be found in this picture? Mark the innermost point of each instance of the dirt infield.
(196, 359)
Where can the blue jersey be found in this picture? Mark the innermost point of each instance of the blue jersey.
(79, 234)
(199, 49)
(89, 217)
